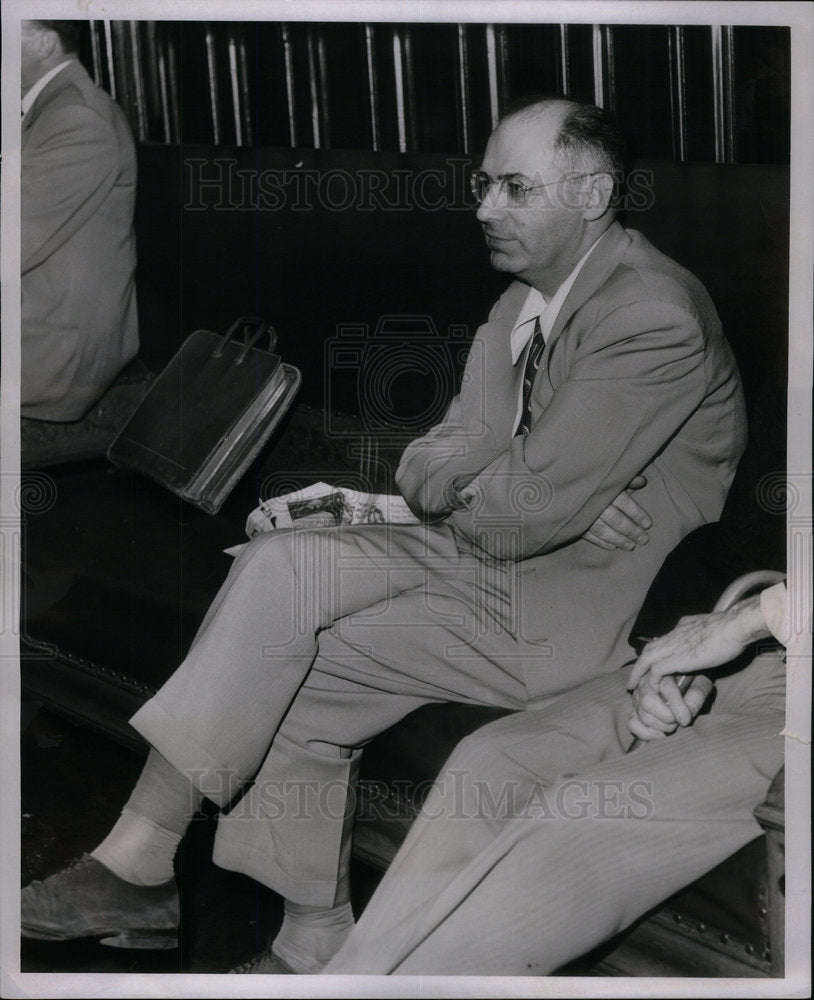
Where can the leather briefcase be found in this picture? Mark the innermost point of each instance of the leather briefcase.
(209, 413)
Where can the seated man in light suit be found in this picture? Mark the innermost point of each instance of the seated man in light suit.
(78, 248)
(604, 360)
(542, 837)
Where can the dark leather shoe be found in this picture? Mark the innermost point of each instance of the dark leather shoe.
(88, 900)
(266, 964)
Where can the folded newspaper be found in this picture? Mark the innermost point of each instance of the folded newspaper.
(321, 505)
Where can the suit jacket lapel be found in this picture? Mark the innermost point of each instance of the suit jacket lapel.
(595, 271)
(501, 380)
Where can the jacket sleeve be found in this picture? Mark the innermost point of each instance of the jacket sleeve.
(69, 164)
(637, 377)
(455, 450)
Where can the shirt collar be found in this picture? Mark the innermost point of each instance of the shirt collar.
(34, 92)
(536, 305)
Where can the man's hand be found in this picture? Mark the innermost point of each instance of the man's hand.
(699, 642)
(659, 707)
(623, 524)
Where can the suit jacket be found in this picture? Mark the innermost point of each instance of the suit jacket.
(78, 186)
(636, 377)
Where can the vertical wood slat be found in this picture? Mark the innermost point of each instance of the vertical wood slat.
(723, 98)
(564, 67)
(149, 33)
(678, 84)
(598, 61)
(173, 89)
(164, 92)
(245, 91)
(214, 96)
(728, 54)
(288, 63)
(235, 89)
(313, 89)
(465, 119)
(398, 73)
(603, 66)
(138, 81)
(372, 86)
(96, 52)
(610, 67)
(717, 94)
(322, 88)
(110, 62)
(410, 103)
(492, 72)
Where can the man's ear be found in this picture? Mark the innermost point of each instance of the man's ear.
(47, 41)
(599, 197)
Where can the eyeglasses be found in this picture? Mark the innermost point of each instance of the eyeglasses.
(516, 191)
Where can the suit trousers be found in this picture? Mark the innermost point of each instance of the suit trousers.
(318, 640)
(541, 838)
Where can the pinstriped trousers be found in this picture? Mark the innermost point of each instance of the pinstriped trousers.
(541, 838)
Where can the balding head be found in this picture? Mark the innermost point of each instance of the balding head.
(587, 139)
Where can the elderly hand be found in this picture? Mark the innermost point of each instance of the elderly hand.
(699, 642)
(659, 707)
(623, 523)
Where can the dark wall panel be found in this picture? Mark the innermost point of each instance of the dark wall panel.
(642, 88)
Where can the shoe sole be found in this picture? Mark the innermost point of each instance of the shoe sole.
(150, 939)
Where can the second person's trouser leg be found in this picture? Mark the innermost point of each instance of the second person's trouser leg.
(474, 891)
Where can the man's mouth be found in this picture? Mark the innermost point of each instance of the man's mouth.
(494, 238)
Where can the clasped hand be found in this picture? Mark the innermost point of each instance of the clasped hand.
(698, 642)
(659, 707)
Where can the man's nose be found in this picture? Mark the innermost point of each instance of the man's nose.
(493, 205)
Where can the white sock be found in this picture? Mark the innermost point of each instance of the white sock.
(310, 936)
(138, 850)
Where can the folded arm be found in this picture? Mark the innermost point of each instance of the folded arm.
(638, 378)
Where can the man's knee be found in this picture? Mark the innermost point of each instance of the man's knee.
(291, 552)
(478, 760)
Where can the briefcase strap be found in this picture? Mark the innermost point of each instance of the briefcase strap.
(250, 337)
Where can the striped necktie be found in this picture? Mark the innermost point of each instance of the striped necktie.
(532, 364)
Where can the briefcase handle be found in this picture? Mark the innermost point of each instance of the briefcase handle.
(246, 322)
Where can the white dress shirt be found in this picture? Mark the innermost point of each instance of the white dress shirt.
(536, 305)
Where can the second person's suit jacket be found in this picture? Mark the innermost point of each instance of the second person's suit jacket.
(78, 248)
